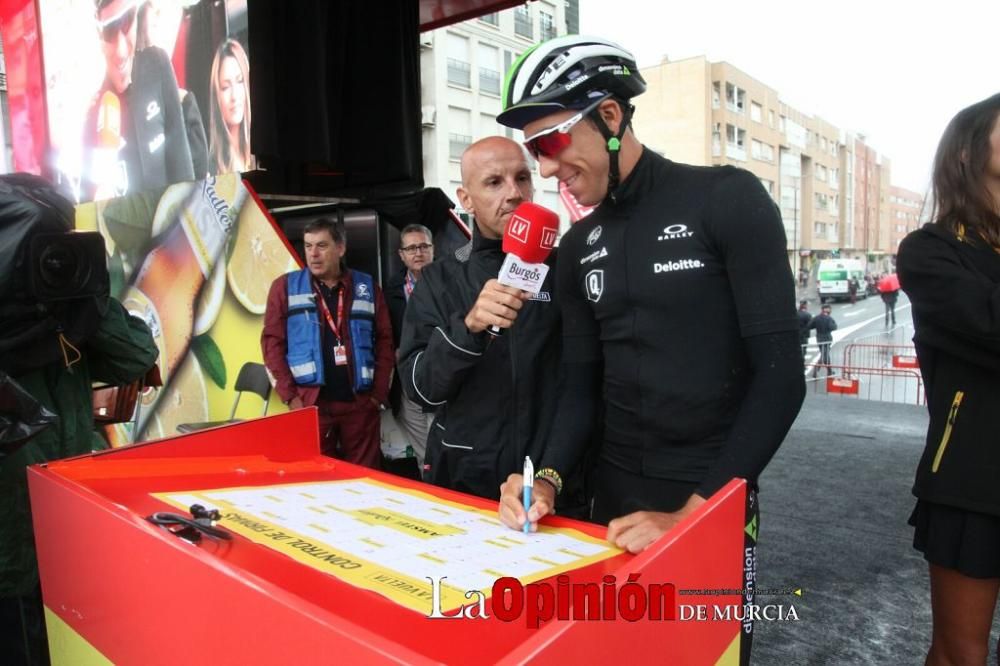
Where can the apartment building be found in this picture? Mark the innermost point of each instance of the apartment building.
(828, 183)
(905, 208)
(462, 67)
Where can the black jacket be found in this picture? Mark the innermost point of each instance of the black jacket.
(494, 398)
(804, 320)
(395, 299)
(954, 286)
(825, 325)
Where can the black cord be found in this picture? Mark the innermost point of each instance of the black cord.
(202, 522)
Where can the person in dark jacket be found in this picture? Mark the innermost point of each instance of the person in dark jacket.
(950, 270)
(55, 350)
(825, 325)
(494, 396)
(805, 318)
(416, 251)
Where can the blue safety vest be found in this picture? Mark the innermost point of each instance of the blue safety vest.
(305, 333)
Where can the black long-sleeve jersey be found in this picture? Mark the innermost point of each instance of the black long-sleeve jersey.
(682, 288)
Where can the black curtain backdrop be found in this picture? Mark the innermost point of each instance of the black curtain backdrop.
(335, 94)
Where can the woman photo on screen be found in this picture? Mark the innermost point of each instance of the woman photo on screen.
(229, 125)
(950, 270)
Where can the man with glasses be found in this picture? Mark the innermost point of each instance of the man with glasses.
(676, 291)
(416, 251)
(494, 396)
(135, 135)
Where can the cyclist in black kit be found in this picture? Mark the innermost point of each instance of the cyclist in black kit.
(676, 289)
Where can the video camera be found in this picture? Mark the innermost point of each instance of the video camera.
(54, 281)
(67, 265)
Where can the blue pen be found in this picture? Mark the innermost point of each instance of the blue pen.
(529, 480)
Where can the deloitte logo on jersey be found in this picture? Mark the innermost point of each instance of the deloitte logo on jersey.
(679, 265)
(675, 231)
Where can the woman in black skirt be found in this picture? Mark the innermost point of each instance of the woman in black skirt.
(950, 269)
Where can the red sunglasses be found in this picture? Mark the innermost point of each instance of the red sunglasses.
(554, 140)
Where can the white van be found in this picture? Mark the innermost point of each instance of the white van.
(833, 275)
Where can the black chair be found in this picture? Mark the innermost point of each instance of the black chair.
(252, 378)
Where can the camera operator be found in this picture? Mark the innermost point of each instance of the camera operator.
(59, 332)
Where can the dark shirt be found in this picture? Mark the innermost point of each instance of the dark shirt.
(664, 286)
(338, 379)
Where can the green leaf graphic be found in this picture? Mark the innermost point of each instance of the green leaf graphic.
(210, 358)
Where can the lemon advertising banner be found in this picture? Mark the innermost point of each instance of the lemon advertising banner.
(195, 262)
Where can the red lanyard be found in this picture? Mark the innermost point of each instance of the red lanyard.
(326, 311)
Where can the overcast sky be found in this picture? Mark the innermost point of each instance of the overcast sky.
(896, 71)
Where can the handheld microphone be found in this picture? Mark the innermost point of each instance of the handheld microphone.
(528, 240)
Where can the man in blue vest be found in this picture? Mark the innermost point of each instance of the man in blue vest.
(327, 341)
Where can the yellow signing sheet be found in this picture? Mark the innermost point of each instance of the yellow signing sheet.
(392, 540)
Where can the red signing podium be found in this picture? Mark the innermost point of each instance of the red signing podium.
(118, 589)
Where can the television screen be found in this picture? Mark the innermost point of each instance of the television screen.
(145, 93)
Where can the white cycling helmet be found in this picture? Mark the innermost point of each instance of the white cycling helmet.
(567, 73)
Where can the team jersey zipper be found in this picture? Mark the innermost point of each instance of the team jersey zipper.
(948, 426)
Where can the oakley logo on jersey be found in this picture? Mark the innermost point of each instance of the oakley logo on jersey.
(675, 231)
(594, 235)
(595, 284)
(679, 265)
(594, 256)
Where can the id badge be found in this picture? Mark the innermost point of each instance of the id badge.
(340, 355)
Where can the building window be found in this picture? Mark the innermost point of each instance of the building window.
(489, 69)
(717, 140)
(821, 173)
(459, 73)
(489, 81)
(756, 112)
(546, 26)
(716, 94)
(736, 140)
(457, 143)
(761, 151)
(522, 22)
(735, 98)
(492, 18)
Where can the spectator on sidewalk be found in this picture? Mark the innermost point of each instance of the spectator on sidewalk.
(852, 289)
(805, 318)
(825, 325)
(890, 298)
